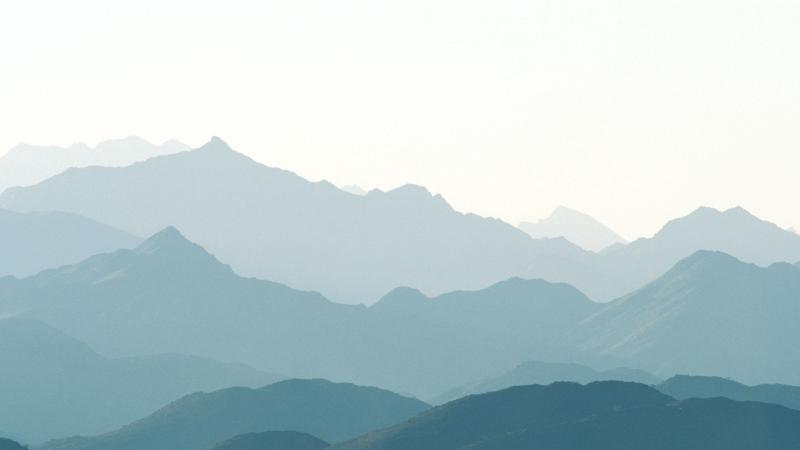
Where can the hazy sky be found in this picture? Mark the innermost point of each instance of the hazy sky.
(632, 111)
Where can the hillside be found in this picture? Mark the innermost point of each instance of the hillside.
(332, 411)
(685, 386)
(272, 440)
(54, 386)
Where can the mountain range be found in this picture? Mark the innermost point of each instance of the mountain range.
(168, 295)
(272, 440)
(273, 224)
(30, 243)
(607, 415)
(53, 385)
(686, 386)
(25, 165)
(544, 373)
(710, 314)
(579, 228)
(332, 411)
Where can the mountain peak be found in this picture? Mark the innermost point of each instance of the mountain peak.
(575, 226)
(216, 143)
(168, 238)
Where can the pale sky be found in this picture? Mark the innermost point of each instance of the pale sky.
(632, 111)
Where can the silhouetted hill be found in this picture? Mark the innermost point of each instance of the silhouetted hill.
(169, 295)
(734, 231)
(53, 385)
(709, 314)
(332, 411)
(544, 373)
(33, 242)
(685, 386)
(308, 235)
(25, 165)
(536, 309)
(8, 444)
(272, 440)
(598, 416)
(575, 226)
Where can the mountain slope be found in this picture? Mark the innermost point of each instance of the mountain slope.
(685, 386)
(30, 243)
(537, 372)
(734, 231)
(8, 444)
(53, 385)
(308, 235)
(710, 314)
(575, 226)
(169, 295)
(600, 416)
(25, 165)
(272, 440)
(332, 411)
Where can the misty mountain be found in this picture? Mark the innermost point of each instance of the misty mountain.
(332, 411)
(168, 295)
(25, 165)
(734, 231)
(685, 386)
(709, 314)
(275, 225)
(272, 440)
(354, 189)
(53, 385)
(8, 444)
(575, 226)
(30, 243)
(602, 416)
(544, 373)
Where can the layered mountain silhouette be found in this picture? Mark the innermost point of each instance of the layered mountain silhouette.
(332, 411)
(168, 295)
(8, 444)
(686, 386)
(602, 416)
(575, 226)
(53, 385)
(710, 314)
(25, 164)
(272, 440)
(33, 242)
(544, 373)
(734, 231)
(273, 224)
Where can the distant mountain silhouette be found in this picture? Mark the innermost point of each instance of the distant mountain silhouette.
(685, 386)
(169, 295)
(354, 189)
(544, 373)
(25, 165)
(709, 314)
(273, 224)
(272, 440)
(8, 444)
(30, 243)
(734, 231)
(575, 226)
(332, 411)
(53, 385)
(600, 416)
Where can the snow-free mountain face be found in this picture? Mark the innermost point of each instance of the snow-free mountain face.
(169, 295)
(710, 314)
(55, 386)
(273, 224)
(332, 411)
(575, 226)
(25, 165)
(33, 242)
(683, 387)
(606, 415)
